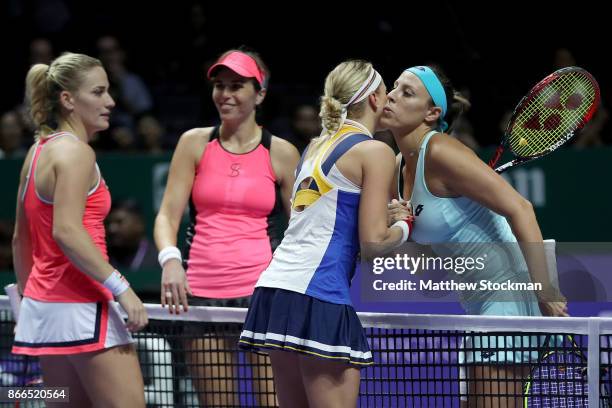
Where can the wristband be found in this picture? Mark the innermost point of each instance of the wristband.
(116, 283)
(169, 252)
(406, 227)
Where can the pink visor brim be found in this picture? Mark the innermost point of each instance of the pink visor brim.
(240, 63)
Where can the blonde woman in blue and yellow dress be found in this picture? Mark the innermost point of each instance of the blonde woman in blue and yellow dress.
(301, 312)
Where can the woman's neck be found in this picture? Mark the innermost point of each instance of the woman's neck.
(367, 121)
(412, 141)
(239, 132)
(74, 127)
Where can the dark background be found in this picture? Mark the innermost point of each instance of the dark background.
(497, 50)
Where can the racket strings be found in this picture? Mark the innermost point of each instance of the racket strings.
(552, 113)
(559, 381)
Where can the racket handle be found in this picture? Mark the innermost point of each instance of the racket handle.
(504, 167)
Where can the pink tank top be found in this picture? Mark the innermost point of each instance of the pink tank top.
(53, 277)
(232, 197)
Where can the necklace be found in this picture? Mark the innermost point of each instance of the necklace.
(412, 152)
(242, 146)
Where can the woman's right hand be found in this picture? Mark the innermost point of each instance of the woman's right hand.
(554, 309)
(174, 286)
(553, 303)
(397, 211)
(137, 315)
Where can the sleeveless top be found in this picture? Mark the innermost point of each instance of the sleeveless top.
(463, 227)
(318, 254)
(234, 199)
(53, 277)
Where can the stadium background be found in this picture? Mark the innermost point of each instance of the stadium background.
(496, 52)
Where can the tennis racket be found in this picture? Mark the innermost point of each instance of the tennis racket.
(548, 116)
(560, 378)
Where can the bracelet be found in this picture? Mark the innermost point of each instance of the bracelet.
(169, 252)
(116, 283)
(405, 227)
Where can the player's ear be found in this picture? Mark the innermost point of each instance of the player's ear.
(433, 114)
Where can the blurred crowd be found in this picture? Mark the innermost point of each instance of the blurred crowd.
(154, 106)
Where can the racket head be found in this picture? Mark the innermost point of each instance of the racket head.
(553, 110)
(559, 379)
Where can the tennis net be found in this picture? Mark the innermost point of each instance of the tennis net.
(192, 360)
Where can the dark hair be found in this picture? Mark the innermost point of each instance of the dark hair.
(456, 103)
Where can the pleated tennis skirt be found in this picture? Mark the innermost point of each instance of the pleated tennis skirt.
(59, 328)
(279, 319)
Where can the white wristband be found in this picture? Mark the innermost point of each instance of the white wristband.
(116, 283)
(168, 253)
(405, 230)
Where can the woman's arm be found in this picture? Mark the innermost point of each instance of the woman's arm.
(378, 165)
(22, 244)
(178, 186)
(74, 172)
(284, 157)
(174, 285)
(462, 173)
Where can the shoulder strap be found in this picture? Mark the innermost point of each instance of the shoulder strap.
(215, 133)
(266, 138)
(299, 166)
(343, 147)
(400, 178)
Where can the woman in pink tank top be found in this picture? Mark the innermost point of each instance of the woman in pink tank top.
(67, 316)
(230, 175)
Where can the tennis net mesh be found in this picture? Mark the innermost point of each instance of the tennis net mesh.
(192, 360)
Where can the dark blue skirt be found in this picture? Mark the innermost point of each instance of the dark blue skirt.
(279, 319)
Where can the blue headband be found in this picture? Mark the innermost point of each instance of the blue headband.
(435, 89)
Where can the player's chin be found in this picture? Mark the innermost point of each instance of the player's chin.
(384, 123)
(102, 124)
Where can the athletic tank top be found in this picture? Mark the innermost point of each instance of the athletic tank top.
(469, 228)
(318, 254)
(233, 199)
(53, 277)
(440, 219)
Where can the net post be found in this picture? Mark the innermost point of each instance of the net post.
(593, 362)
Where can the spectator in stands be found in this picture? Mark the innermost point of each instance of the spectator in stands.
(11, 136)
(128, 245)
(127, 88)
(150, 134)
(41, 51)
(305, 124)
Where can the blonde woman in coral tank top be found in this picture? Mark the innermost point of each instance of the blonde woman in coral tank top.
(67, 315)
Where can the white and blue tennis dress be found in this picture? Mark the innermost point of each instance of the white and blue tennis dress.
(301, 302)
(470, 229)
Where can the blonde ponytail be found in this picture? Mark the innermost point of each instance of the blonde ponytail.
(340, 85)
(45, 82)
(37, 94)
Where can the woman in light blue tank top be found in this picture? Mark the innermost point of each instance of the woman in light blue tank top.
(457, 199)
